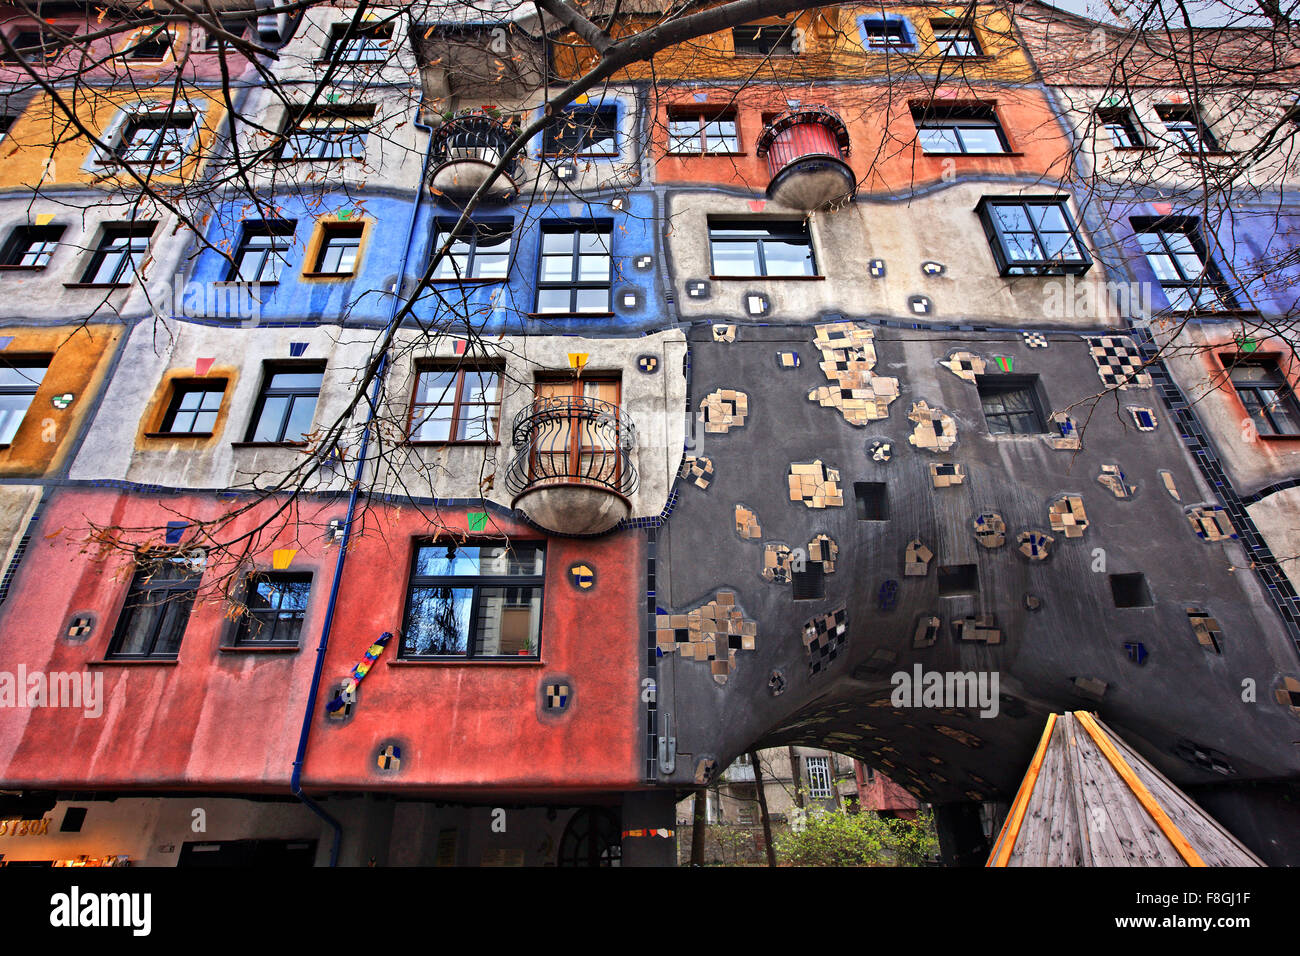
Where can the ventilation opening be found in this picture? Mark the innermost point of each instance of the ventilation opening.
(809, 585)
(873, 500)
(955, 579)
(1130, 590)
(73, 819)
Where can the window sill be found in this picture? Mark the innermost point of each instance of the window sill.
(472, 280)
(463, 661)
(179, 434)
(268, 444)
(1135, 149)
(132, 661)
(972, 58)
(581, 155)
(262, 649)
(702, 155)
(782, 278)
(96, 285)
(23, 268)
(329, 275)
(288, 160)
(245, 283)
(1010, 153)
(1205, 152)
(571, 315)
(452, 444)
(1281, 438)
(1047, 272)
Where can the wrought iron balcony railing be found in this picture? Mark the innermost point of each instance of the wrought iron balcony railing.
(465, 149)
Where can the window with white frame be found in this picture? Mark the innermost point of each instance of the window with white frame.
(819, 777)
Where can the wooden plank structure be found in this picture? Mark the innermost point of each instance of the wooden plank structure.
(1089, 799)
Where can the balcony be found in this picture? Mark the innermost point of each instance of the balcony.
(805, 150)
(463, 153)
(573, 471)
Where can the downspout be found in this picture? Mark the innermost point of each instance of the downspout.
(295, 784)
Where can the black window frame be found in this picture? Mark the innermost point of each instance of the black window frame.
(576, 284)
(478, 229)
(990, 386)
(769, 39)
(1186, 291)
(719, 227)
(1111, 118)
(888, 28)
(47, 46)
(477, 583)
(23, 239)
(703, 117)
(147, 41)
(569, 126)
(244, 635)
(16, 362)
(272, 230)
(111, 234)
(1252, 395)
(184, 387)
(266, 390)
(145, 585)
(334, 134)
(337, 237)
(1009, 267)
(958, 118)
(1181, 118)
(946, 43)
(162, 122)
(358, 45)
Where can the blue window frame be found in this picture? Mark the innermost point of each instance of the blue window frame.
(889, 32)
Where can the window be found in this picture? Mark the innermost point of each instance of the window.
(474, 601)
(34, 46)
(581, 440)
(761, 248)
(194, 407)
(959, 129)
(276, 604)
(154, 138)
(702, 131)
(1186, 128)
(121, 253)
(1011, 405)
(287, 405)
(339, 245)
(1268, 397)
(155, 44)
(872, 499)
(235, 28)
(772, 39)
(1130, 590)
(483, 254)
(452, 404)
(157, 607)
(328, 133)
(955, 40)
(958, 579)
(359, 44)
(19, 380)
(30, 247)
(1033, 237)
(583, 131)
(577, 267)
(1177, 255)
(262, 251)
(1120, 127)
(883, 34)
(819, 777)
(6, 124)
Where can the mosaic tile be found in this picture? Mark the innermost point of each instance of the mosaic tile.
(698, 470)
(848, 359)
(815, 485)
(935, 429)
(822, 550)
(1032, 602)
(1136, 651)
(916, 559)
(881, 450)
(1288, 694)
(919, 304)
(724, 409)
(81, 626)
(756, 303)
(927, 631)
(1035, 340)
(747, 525)
(697, 288)
(390, 758)
(649, 364)
(1211, 523)
(724, 333)
(1034, 545)
(1119, 362)
(787, 359)
(1167, 479)
(990, 529)
(876, 268)
(776, 563)
(582, 577)
(887, 596)
(1004, 363)
(1068, 439)
(1068, 516)
(714, 632)
(931, 268)
(945, 474)
(557, 696)
(1113, 480)
(824, 637)
(1143, 418)
(776, 683)
(965, 365)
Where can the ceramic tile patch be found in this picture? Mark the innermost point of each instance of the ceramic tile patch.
(916, 559)
(1067, 438)
(1113, 480)
(822, 550)
(945, 474)
(776, 563)
(935, 429)
(724, 409)
(848, 359)
(1211, 523)
(713, 632)
(1035, 340)
(990, 529)
(824, 637)
(1034, 545)
(787, 359)
(1167, 479)
(815, 485)
(965, 365)
(1288, 694)
(1143, 418)
(979, 628)
(1119, 362)
(927, 632)
(557, 696)
(1207, 630)
(881, 450)
(698, 470)
(1067, 516)
(747, 525)
(724, 333)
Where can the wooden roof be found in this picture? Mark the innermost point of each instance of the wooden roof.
(1091, 800)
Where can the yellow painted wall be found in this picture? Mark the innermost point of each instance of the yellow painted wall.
(79, 358)
(44, 147)
(833, 47)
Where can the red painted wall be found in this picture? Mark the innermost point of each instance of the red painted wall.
(217, 719)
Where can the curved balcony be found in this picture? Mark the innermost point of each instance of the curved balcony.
(573, 471)
(805, 150)
(464, 151)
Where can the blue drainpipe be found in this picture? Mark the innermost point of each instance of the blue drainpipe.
(295, 784)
